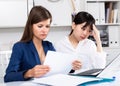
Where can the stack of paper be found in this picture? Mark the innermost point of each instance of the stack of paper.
(63, 80)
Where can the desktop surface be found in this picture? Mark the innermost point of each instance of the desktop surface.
(19, 83)
(30, 83)
(113, 68)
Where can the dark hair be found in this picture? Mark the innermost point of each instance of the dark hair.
(37, 14)
(82, 17)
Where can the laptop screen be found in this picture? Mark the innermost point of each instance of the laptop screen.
(111, 68)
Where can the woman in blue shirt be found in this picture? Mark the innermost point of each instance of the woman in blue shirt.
(29, 53)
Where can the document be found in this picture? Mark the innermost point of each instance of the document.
(86, 69)
(59, 62)
(63, 80)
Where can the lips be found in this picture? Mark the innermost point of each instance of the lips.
(82, 37)
(43, 34)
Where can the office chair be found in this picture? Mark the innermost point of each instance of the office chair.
(4, 60)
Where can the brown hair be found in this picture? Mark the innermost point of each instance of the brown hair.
(37, 14)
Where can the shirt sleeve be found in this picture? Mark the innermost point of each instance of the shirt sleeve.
(98, 58)
(12, 72)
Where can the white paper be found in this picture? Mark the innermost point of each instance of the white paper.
(63, 80)
(85, 60)
(59, 62)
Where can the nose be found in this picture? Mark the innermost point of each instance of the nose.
(45, 29)
(85, 32)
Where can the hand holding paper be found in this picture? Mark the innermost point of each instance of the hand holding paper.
(59, 62)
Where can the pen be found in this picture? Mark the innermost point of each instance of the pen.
(97, 81)
(43, 84)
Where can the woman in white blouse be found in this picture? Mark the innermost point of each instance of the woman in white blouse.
(90, 55)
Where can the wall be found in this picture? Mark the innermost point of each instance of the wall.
(57, 33)
(8, 36)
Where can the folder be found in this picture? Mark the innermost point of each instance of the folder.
(97, 10)
(97, 81)
(102, 13)
(93, 9)
(115, 17)
(114, 36)
(110, 12)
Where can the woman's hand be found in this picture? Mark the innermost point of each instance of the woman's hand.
(37, 71)
(76, 65)
(96, 35)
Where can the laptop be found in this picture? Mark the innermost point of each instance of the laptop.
(108, 71)
(111, 69)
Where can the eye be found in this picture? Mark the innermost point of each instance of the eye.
(83, 28)
(90, 31)
(48, 26)
(40, 26)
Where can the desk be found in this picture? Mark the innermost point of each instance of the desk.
(19, 83)
(33, 84)
(29, 83)
(112, 70)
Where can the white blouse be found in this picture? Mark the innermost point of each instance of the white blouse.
(86, 51)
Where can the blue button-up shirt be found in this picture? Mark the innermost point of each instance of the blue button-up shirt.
(24, 57)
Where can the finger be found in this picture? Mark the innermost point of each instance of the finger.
(40, 73)
(43, 67)
(76, 67)
(77, 63)
(94, 27)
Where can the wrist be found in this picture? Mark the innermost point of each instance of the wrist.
(28, 74)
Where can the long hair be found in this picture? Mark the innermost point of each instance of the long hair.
(82, 17)
(37, 14)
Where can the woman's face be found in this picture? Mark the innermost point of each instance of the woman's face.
(41, 29)
(80, 32)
